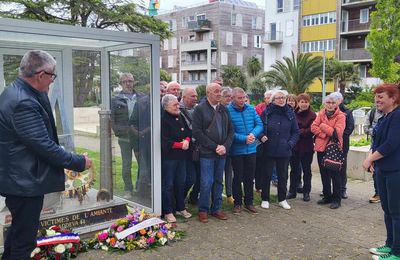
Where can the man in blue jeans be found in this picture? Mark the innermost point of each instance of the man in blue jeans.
(213, 130)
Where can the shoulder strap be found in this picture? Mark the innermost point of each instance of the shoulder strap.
(372, 116)
(213, 119)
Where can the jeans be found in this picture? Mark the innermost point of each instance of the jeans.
(327, 177)
(212, 172)
(298, 164)
(244, 167)
(21, 237)
(388, 189)
(173, 185)
(228, 176)
(192, 180)
(282, 164)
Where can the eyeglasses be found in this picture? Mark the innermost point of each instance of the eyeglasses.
(127, 81)
(280, 98)
(52, 75)
(330, 103)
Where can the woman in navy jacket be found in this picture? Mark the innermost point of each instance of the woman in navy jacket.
(281, 133)
(384, 159)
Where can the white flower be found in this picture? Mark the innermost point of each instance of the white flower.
(50, 232)
(35, 251)
(163, 240)
(69, 245)
(60, 248)
(105, 248)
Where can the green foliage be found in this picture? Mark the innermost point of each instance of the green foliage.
(253, 66)
(360, 142)
(233, 76)
(295, 74)
(342, 72)
(201, 91)
(384, 40)
(257, 88)
(363, 99)
(164, 76)
(316, 101)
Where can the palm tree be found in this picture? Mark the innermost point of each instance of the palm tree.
(295, 74)
(253, 66)
(342, 73)
(233, 76)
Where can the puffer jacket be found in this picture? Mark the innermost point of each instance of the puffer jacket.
(31, 161)
(322, 128)
(245, 122)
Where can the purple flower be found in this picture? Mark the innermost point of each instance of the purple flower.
(120, 228)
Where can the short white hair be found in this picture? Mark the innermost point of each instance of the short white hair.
(268, 92)
(166, 99)
(226, 90)
(332, 96)
(338, 95)
(237, 90)
(35, 61)
(278, 91)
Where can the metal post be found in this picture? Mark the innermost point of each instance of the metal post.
(106, 181)
(323, 77)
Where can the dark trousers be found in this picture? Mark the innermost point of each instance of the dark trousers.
(192, 180)
(297, 164)
(127, 146)
(388, 189)
(327, 177)
(375, 185)
(282, 164)
(259, 167)
(244, 167)
(21, 237)
(228, 176)
(173, 185)
(343, 172)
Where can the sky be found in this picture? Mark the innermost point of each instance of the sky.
(169, 4)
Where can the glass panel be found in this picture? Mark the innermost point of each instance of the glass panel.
(130, 77)
(10, 67)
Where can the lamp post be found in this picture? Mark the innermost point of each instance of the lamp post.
(323, 77)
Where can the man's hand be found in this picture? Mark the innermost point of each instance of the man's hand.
(367, 165)
(88, 162)
(185, 145)
(250, 138)
(220, 150)
(264, 139)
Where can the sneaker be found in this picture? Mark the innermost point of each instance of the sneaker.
(265, 204)
(291, 196)
(127, 195)
(284, 204)
(184, 213)
(386, 257)
(170, 218)
(382, 250)
(237, 209)
(230, 200)
(251, 209)
(375, 199)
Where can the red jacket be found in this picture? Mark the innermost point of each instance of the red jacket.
(323, 128)
(260, 108)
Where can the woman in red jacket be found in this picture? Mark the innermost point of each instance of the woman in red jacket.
(330, 122)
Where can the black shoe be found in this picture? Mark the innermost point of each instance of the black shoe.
(344, 195)
(324, 201)
(291, 196)
(306, 196)
(334, 205)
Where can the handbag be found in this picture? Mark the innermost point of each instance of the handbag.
(333, 159)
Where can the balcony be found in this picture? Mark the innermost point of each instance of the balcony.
(193, 45)
(273, 37)
(357, 3)
(199, 26)
(198, 65)
(355, 55)
(194, 82)
(354, 26)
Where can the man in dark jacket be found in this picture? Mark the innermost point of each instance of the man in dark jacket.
(346, 141)
(31, 160)
(213, 130)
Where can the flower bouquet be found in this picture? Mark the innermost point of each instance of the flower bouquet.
(56, 243)
(137, 230)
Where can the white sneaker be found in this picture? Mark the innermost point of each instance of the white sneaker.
(265, 204)
(284, 204)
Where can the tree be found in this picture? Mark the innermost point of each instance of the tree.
(253, 66)
(106, 14)
(384, 40)
(294, 74)
(342, 73)
(257, 88)
(201, 91)
(233, 76)
(164, 76)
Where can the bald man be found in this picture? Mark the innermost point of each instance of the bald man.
(173, 88)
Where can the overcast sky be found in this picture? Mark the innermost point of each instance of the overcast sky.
(169, 4)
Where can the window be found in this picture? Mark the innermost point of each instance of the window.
(165, 43)
(233, 19)
(172, 25)
(363, 71)
(229, 38)
(332, 17)
(184, 22)
(201, 17)
(224, 58)
(170, 61)
(253, 22)
(279, 6)
(296, 4)
(239, 59)
(174, 76)
(257, 41)
(174, 43)
(244, 40)
(239, 21)
(259, 23)
(364, 15)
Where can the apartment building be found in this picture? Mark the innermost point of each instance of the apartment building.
(318, 33)
(210, 35)
(354, 28)
(281, 30)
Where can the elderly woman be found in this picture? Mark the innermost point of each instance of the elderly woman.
(329, 124)
(304, 150)
(280, 136)
(292, 101)
(175, 138)
(384, 159)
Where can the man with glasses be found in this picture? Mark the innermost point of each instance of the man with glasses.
(31, 160)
